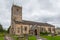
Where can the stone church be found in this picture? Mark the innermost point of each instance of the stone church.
(19, 26)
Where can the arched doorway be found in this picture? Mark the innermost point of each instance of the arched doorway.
(35, 31)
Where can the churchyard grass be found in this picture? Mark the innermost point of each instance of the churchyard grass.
(32, 38)
(52, 38)
(1, 38)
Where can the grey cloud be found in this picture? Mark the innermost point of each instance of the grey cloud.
(34, 10)
(5, 13)
(43, 11)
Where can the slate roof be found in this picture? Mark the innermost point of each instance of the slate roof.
(33, 23)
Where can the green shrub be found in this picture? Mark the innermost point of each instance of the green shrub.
(2, 34)
(44, 33)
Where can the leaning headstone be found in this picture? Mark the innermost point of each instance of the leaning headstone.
(7, 37)
(41, 39)
(22, 37)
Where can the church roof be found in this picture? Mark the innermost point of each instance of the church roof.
(37, 23)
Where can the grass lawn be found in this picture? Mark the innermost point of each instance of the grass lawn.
(32, 38)
(1, 38)
(29, 38)
(52, 38)
(47, 37)
(15, 38)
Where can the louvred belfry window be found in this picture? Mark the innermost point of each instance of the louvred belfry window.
(17, 9)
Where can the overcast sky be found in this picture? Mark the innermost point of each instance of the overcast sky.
(33, 10)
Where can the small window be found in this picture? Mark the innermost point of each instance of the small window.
(18, 30)
(53, 29)
(49, 29)
(17, 9)
(12, 30)
(41, 29)
(25, 28)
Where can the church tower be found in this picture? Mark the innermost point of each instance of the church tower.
(16, 16)
(16, 13)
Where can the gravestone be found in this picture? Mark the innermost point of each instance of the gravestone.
(22, 37)
(42, 39)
